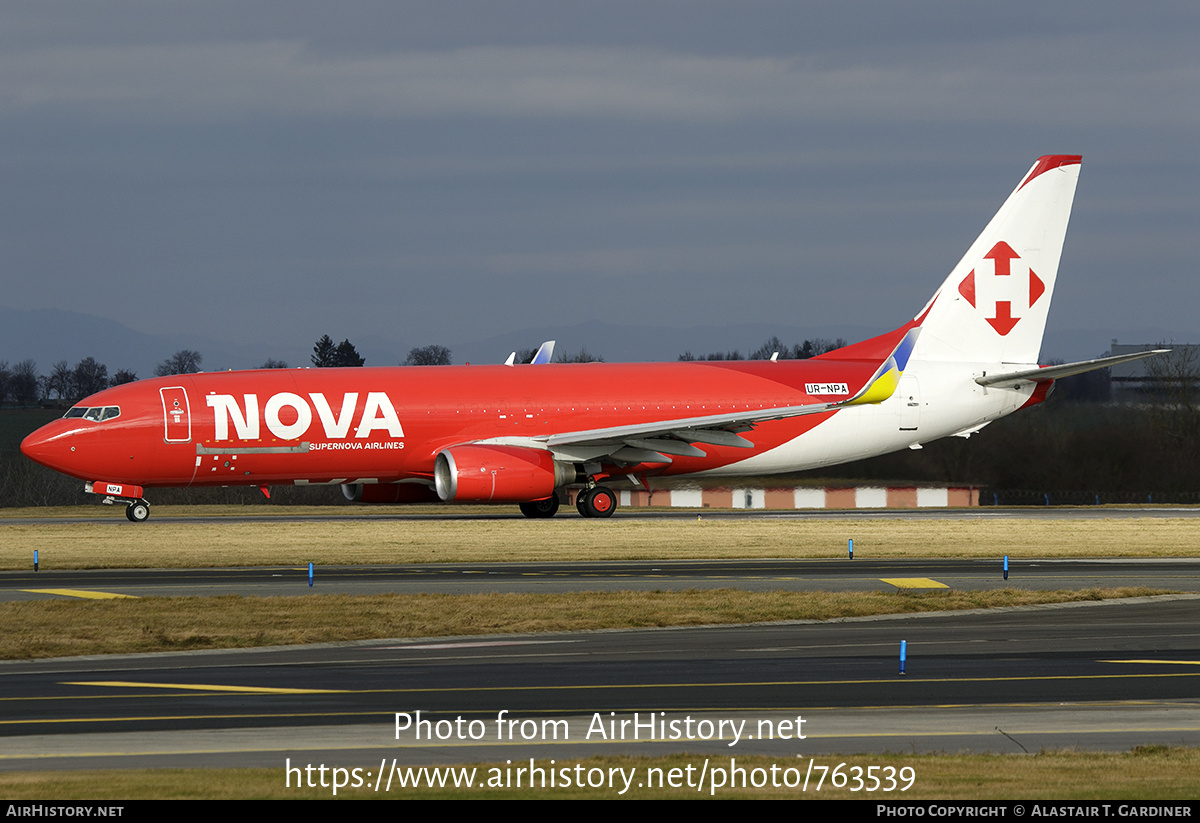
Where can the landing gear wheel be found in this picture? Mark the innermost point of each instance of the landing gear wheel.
(541, 508)
(581, 502)
(138, 511)
(599, 502)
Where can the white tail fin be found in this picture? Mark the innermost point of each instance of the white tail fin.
(993, 306)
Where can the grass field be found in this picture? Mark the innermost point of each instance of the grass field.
(1147, 773)
(116, 543)
(60, 628)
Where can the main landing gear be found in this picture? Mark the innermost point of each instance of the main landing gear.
(598, 501)
(138, 511)
(541, 508)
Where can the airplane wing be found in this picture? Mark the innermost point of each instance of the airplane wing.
(1008, 380)
(652, 442)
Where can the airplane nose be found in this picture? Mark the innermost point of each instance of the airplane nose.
(34, 445)
(47, 446)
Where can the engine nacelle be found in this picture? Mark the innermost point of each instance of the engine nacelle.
(498, 474)
(389, 493)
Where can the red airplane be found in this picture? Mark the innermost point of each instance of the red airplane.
(525, 433)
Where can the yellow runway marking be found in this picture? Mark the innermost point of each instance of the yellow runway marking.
(913, 583)
(1159, 662)
(889, 682)
(175, 717)
(80, 593)
(200, 687)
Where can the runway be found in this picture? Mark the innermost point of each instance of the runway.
(1094, 675)
(1171, 574)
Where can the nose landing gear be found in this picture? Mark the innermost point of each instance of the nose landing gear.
(138, 511)
(136, 507)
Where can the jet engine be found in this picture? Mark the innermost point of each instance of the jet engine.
(498, 474)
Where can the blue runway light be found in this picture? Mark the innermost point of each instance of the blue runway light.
(1006, 567)
(35, 551)
(903, 654)
(310, 575)
(851, 548)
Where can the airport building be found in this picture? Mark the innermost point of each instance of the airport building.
(1155, 378)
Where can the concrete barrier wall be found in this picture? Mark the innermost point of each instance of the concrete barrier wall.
(806, 497)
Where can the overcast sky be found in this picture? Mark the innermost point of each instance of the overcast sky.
(433, 171)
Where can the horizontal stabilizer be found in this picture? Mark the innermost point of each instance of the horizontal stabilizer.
(1010, 379)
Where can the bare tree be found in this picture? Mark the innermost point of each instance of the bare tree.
(88, 377)
(582, 356)
(23, 385)
(184, 361)
(1175, 377)
(766, 350)
(59, 381)
(429, 356)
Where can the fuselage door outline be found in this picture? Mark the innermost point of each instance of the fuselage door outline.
(177, 417)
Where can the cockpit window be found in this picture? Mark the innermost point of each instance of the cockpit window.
(97, 413)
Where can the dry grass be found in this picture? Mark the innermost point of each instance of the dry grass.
(59, 628)
(1148, 773)
(163, 543)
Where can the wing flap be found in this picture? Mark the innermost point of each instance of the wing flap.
(673, 437)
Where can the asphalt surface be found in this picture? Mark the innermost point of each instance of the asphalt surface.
(1095, 675)
(1172, 574)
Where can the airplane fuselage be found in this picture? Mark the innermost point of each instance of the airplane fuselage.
(382, 425)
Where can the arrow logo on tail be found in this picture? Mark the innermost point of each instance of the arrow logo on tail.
(1002, 256)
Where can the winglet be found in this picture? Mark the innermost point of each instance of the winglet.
(544, 354)
(887, 377)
